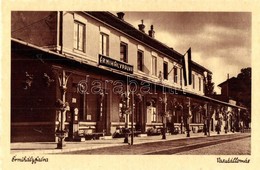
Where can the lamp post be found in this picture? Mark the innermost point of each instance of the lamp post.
(138, 99)
(232, 121)
(163, 101)
(226, 120)
(174, 105)
(132, 119)
(218, 119)
(188, 104)
(164, 117)
(179, 107)
(63, 106)
(208, 125)
(205, 118)
(181, 120)
(125, 111)
(209, 115)
(126, 129)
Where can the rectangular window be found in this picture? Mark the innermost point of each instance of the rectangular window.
(123, 52)
(199, 84)
(175, 74)
(153, 111)
(140, 60)
(154, 66)
(79, 36)
(104, 44)
(121, 114)
(193, 81)
(165, 70)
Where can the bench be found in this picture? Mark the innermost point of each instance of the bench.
(94, 135)
(90, 135)
(154, 131)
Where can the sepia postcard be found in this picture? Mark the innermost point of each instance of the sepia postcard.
(129, 84)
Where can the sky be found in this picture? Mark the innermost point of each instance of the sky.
(220, 41)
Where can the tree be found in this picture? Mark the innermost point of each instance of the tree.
(244, 80)
(243, 87)
(244, 97)
(240, 90)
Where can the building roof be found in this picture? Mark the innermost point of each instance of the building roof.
(231, 80)
(130, 30)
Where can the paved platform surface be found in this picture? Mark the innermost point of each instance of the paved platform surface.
(236, 147)
(50, 147)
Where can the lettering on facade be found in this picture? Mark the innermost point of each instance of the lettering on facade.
(109, 62)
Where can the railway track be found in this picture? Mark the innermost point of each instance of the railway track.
(175, 150)
(164, 147)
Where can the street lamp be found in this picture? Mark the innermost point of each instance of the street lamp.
(125, 111)
(62, 109)
(181, 119)
(163, 113)
(226, 119)
(218, 117)
(137, 99)
(189, 115)
(205, 118)
(132, 119)
(210, 112)
(62, 105)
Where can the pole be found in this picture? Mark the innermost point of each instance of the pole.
(164, 128)
(126, 128)
(209, 124)
(205, 121)
(61, 141)
(226, 121)
(188, 119)
(127, 116)
(172, 120)
(182, 120)
(163, 117)
(132, 119)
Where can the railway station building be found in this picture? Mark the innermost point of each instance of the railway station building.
(92, 73)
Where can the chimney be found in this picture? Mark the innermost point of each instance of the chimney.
(141, 26)
(120, 15)
(151, 32)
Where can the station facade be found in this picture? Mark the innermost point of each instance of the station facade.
(98, 67)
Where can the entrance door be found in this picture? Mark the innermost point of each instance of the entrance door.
(103, 118)
(76, 100)
(139, 117)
